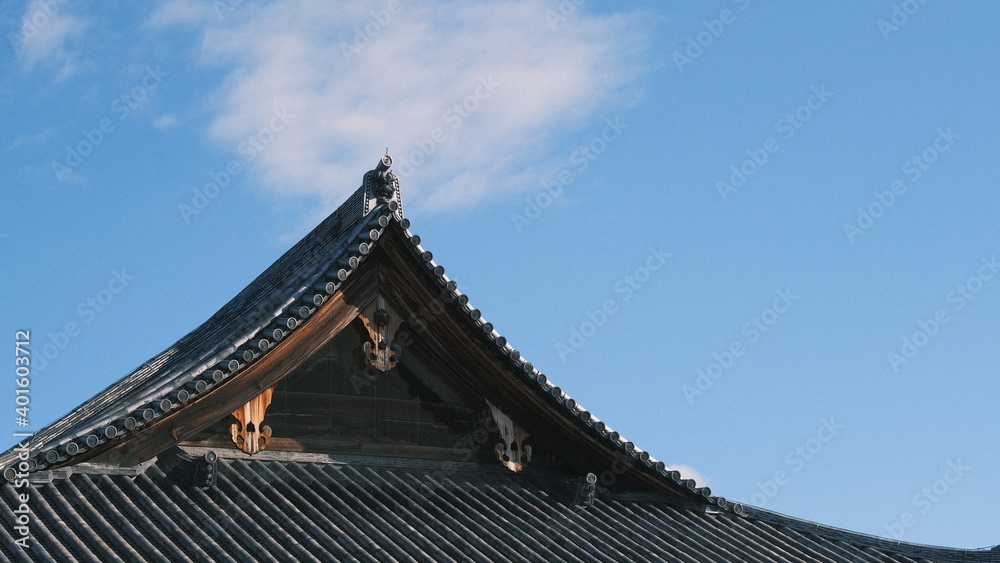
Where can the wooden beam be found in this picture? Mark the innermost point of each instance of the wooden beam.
(334, 445)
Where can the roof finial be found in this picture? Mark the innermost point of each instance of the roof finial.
(381, 186)
(385, 182)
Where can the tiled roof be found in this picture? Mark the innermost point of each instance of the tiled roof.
(325, 510)
(252, 323)
(371, 509)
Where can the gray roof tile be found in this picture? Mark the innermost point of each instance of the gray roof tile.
(369, 510)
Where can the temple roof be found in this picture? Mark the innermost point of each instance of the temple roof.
(117, 472)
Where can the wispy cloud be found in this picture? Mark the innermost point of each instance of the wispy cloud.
(43, 35)
(469, 97)
(33, 139)
(165, 122)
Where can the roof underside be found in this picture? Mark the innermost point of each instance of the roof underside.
(398, 510)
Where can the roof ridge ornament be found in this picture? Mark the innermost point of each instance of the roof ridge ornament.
(382, 186)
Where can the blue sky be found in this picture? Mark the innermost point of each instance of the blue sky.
(759, 240)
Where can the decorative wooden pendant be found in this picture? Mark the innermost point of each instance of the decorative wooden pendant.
(382, 322)
(512, 452)
(250, 435)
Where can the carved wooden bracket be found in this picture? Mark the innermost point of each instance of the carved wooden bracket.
(250, 435)
(512, 452)
(382, 322)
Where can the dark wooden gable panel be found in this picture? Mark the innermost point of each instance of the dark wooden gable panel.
(444, 354)
(332, 404)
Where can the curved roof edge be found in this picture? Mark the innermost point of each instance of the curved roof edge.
(910, 549)
(277, 302)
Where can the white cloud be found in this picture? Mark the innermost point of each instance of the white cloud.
(44, 32)
(165, 122)
(469, 97)
(690, 473)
